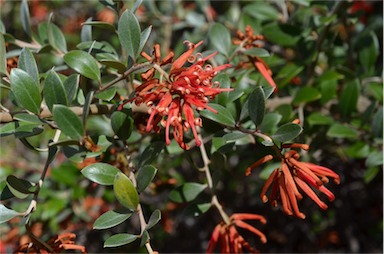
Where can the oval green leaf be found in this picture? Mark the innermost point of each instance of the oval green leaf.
(83, 63)
(56, 37)
(101, 173)
(26, 90)
(256, 105)
(341, 131)
(306, 94)
(68, 121)
(25, 17)
(54, 91)
(70, 86)
(220, 38)
(6, 214)
(150, 153)
(122, 123)
(223, 116)
(145, 177)
(125, 192)
(186, 192)
(287, 132)
(110, 219)
(27, 63)
(349, 97)
(119, 240)
(154, 219)
(129, 33)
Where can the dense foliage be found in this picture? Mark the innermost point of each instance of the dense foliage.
(191, 126)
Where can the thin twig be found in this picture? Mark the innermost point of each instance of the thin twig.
(205, 168)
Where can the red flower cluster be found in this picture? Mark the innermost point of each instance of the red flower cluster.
(293, 175)
(229, 239)
(172, 97)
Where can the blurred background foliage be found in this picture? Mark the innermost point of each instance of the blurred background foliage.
(326, 57)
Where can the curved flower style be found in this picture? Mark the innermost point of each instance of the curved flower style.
(173, 97)
(292, 176)
(229, 239)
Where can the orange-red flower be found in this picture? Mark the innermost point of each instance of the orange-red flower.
(229, 239)
(250, 40)
(293, 175)
(173, 97)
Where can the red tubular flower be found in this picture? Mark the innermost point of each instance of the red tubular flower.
(173, 97)
(292, 177)
(229, 239)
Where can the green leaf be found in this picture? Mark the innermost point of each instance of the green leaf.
(20, 188)
(27, 63)
(6, 194)
(110, 219)
(3, 58)
(122, 123)
(287, 132)
(306, 94)
(377, 124)
(256, 105)
(269, 123)
(83, 63)
(119, 66)
(369, 53)
(319, 119)
(6, 214)
(54, 91)
(28, 130)
(262, 11)
(101, 173)
(150, 153)
(370, 174)
(100, 24)
(282, 34)
(26, 90)
(186, 192)
(125, 192)
(25, 17)
(374, 159)
(56, 37)
(86, 31)
(27, 118)
(220, 38)
(260, 52)
(144, 238)
(349, 97)
(145, 177)
(70, 86)
(223, 116)
(129, 33)
(154, 219)
(87, 104)
(119, 240)
(107, 95)
(328, 90)
(69, 123)
(341, 131)
(7, 129)
(144, 38)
